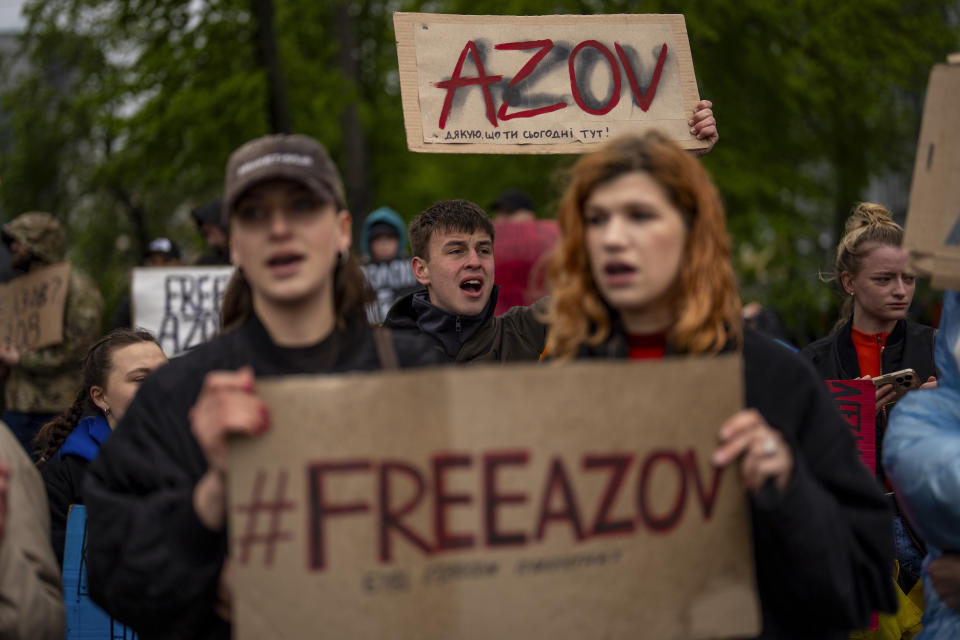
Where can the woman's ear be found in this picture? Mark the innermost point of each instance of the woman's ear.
(846, 281)
(346, 231)
(233, 251)
(96, 394)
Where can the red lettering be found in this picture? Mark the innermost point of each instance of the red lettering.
(569, 511)
(458, 82)
(445, 539)
(614, 72)
(669, 520)
(706, 498)
(491, 461)
(320, 509)
(545, 46)
(618, 465)
(390, 518)
(643, 98)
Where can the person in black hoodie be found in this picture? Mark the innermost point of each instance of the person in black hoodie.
(113, 370)
(643, 271)
(156, 493)
(452, 243)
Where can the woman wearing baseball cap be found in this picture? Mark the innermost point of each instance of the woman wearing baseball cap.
(156, 494)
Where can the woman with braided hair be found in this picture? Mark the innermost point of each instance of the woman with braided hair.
(113, 369)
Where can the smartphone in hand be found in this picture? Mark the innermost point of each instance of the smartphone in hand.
(903, 381)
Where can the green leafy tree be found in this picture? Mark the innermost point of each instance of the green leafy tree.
(131, 107)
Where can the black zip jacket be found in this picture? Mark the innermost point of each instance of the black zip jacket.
(909, 346)
(63, 478)
(515, 336)
(824, 547)
(151, 562)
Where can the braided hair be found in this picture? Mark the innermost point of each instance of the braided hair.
(96, 367)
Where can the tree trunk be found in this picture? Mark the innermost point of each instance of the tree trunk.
(137, 216)
(277, 105)
(354, 140)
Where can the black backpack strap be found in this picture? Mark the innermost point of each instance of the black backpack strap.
(386, 350)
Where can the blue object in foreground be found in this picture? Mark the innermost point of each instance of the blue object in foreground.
(85, 620)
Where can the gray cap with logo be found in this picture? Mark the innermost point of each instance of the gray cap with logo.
(290, 157)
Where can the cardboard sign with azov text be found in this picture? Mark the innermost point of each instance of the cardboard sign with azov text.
(542, 84)
(31, 308)
(179, 305)
(933, 220)
(573, 501)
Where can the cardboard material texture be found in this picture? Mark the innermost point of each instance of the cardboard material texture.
(542, 84)
(179, 305)
(501, 502)
(856, 401)
(933, 220)
(31, 308)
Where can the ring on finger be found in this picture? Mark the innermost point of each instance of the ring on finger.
(770, 447)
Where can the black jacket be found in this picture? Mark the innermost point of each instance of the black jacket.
(515, 336)
(151, 563)
(64, 472)
(823, 548)
(63, 478)
(909, 346)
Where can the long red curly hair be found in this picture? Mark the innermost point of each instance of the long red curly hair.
(706, 304)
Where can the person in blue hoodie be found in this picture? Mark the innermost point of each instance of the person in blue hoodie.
(921, 455)
(386, 265)
(113, 369)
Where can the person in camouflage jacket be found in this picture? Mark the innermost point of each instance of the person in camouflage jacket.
(43, 383)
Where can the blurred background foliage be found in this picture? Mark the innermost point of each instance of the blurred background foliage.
(122, 113)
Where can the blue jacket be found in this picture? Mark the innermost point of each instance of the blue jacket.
(921, 454)
(85, 440)
(391, 217)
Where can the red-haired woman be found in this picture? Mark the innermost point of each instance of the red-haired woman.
(643, 271)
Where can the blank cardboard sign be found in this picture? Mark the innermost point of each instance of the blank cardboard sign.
(933, 220)
(542, 84)
(573, 501)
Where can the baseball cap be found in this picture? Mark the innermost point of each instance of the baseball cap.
(164, 246)
(291, 157)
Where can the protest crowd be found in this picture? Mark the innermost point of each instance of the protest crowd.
(636, 266)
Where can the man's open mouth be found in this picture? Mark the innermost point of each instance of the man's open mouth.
(472, 285)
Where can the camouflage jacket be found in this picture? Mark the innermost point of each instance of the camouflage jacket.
(47, 380)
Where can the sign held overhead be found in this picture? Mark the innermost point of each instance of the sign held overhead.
(542, 84)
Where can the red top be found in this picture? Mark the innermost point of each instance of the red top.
(869, 347)
(646, 347)
(522, 250)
